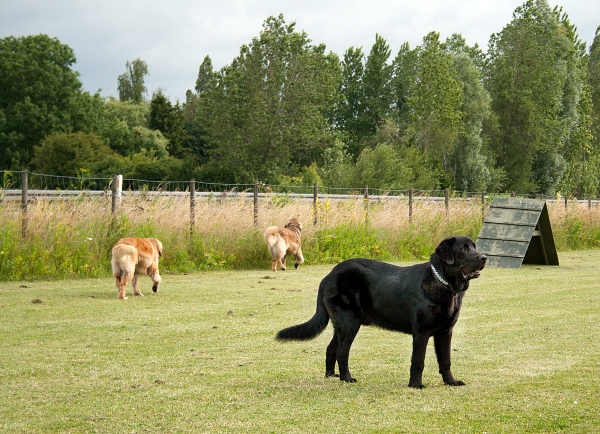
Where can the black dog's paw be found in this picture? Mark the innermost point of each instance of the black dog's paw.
(455, 383)
(331, 374)
(416, 385)
(348, 380)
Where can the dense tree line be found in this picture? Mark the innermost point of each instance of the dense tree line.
(523, 116)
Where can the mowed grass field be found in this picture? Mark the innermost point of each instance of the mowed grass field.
(200, 356)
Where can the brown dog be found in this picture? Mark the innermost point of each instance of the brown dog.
(284, 241)
(132, 257)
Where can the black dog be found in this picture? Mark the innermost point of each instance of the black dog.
(422, 300)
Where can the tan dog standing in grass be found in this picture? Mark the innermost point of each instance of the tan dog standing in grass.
(132, 257)
(284, 241)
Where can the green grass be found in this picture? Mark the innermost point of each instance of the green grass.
(201, 357)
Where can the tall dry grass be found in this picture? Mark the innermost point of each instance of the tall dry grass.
(73, 237)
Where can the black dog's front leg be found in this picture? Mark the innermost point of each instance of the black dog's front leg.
(442, 343)
(417, 363)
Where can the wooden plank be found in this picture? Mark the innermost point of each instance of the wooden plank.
(512, 216)
(502, 247)
(517, 203)
(498, 231)
(503, 262)
(547, 238)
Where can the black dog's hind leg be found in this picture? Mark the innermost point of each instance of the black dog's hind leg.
(331, 356)
(346, 336)
(442, 343)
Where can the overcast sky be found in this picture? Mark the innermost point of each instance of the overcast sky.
(173, 37)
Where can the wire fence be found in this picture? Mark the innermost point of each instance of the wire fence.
(31, 187)
(54, 185)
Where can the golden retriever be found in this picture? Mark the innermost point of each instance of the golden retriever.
(284, 241)
(132, 257)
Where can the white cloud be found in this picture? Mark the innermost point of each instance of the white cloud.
(174, 37)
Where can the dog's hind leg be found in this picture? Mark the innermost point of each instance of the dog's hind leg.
(346, 335)
(331, 356)
(121, 285)
(280, 261)
(135, 283)
(299, 259)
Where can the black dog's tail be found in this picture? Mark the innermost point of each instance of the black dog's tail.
(310, 329)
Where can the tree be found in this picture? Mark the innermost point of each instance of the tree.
(472, 171)
(266, 113)
(436, 96)
(580, 153)
(206, 75)
(131, 83)
(366, 94)
(350, 111)
(66, 154)
(377, 84)
(537, 88)
(403, 82)
(126, 129)
(593, 66)
(337, 166)
(386, 167)
(382, 168)
(170, 121)
(39, 94)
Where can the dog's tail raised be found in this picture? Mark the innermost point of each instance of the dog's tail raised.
(271, 235)
(124, 259)
(310, 329)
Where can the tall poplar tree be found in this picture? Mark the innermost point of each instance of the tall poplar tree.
(404, 79)
(537, 90)
(266, 113)
(377, 84)
(130, 84)
(351, 109)
(435, 100)
(470, 165)
(594, 81)
(366, 94)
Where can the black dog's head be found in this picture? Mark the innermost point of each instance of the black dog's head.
(458, 259)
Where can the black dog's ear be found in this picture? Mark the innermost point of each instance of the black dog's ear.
(444, 251)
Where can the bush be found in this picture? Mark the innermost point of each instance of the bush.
(74, 238)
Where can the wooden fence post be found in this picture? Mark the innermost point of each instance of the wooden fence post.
(192, 206)
(410, 204)
(116, 187)
(316, 202)
(24, 216)
(366, 201)
(447, 201)
(482, 205)
(256, 204)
